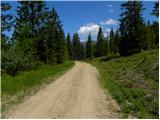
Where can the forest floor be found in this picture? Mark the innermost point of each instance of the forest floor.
(76, 94)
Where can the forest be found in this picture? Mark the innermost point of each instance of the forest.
(39, 37)
(39, 50)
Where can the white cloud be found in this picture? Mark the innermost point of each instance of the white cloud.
(109, 5)
(109, 22)
(91, 27)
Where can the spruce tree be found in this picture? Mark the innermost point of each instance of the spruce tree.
(60, 45)
(150, 41)
(89, 47)
(7, 21)
(57, 51)
(111, 41)
(28, 24)
(69, 46)
(155, 25)
(49, 34)
(77, 48)
(100, 48)
(116, 42)
(155, 11)
(155, 28)
(82, 52)
(131, 28)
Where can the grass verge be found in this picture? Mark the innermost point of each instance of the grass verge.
(133, 82)
(15, 89)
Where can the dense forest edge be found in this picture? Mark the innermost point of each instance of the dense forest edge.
(39, 44)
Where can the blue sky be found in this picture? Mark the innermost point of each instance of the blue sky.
(83, 16)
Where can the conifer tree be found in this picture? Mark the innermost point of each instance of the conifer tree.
(155, 28)
(89, 47)
(69, 46)
(82, 52)
(27, 27)
(100, 48)
(131, 28)
(155, 25)
(7, 21)
(77, 48)
(116, 42)
(155, 11)
(57, 45)
(111, 41)
(60, 45)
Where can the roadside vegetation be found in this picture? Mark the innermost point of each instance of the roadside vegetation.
(133, 82)
(39, 48)
(14, 88)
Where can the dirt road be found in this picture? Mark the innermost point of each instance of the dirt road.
(76, 94)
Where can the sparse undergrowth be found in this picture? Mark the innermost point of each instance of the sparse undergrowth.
(14, 89)
(133, 82)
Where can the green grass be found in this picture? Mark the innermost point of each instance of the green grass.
(133, 82)
(28, 82)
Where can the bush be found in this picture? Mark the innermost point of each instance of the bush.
(14, 61)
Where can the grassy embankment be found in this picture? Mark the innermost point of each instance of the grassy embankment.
(133, 82)
(14, 89)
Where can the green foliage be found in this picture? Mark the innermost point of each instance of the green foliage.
(78, 48)
(28, 82)
(149, 40)
(38, 38)
(89, 47)
(29, 79)
(111, 41)
(60, 46)
(100, 47)
(7, 20)
(107, 46)
(155, 28)
(133, 82)
(155, 11)
(131, 28)
(14, 61)
(116, 42)
(69, 46)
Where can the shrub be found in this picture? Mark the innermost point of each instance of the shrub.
(14, 61)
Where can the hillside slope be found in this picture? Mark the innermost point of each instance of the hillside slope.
(133, 82)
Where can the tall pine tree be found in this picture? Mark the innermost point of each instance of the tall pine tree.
(116, 42)
(131, 28)
(69, 46)
(77, 48)
(58, 38)
(156, 9)
(7, 21)
(28, 24)
(89, 47)
(155, 25)
(111, 41)
(100, 47)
